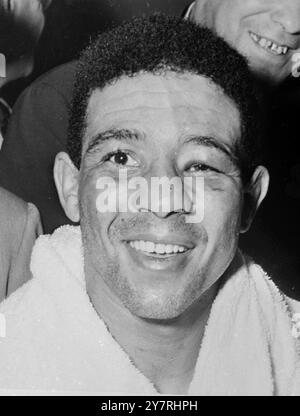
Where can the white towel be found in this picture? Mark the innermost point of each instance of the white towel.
(55, 342)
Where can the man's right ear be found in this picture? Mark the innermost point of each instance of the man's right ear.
(66, 177)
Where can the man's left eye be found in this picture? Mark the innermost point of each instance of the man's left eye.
(122, 159)
(199, 167)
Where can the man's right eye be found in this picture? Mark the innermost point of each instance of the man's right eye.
(121, 158)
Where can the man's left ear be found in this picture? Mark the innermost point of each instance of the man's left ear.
(66, 177)
(254, 194)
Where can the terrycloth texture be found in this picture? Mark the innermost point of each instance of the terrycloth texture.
(56, 343)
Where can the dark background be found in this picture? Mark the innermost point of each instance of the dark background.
(71, 24)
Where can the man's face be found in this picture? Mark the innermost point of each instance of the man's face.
(267, 32)
(157, 264)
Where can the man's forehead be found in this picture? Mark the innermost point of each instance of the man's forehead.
(147, 87)
(146, 93)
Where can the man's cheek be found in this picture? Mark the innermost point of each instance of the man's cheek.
(230, 226)
(222, 212)
(88, 192)
(88, 205)
(221, 194)
(100, 231)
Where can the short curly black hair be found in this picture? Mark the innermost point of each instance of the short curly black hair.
(157, 44)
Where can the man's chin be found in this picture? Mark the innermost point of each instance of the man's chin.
(268, 79)
(158, 289)
(158, 308)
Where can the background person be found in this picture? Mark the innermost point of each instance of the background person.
(266, 32)
(21, 25)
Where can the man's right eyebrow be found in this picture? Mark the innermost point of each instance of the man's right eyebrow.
(112, 134)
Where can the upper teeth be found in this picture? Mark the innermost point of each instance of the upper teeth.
(268, 44)
(151, 247)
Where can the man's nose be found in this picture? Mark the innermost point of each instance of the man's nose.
(168, 195)
(173, 198)
(287, 14)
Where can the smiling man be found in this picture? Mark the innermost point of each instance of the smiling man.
(144, 301)
(39, 133)
(267, 32)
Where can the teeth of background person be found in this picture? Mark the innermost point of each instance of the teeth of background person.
(268, 44)
(150, 247)
(263, 42)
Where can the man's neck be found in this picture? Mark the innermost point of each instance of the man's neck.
(165, 352)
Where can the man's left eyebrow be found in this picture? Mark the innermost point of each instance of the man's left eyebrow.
(112, 134)
(212, 142)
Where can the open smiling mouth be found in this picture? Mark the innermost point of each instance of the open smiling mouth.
(269, 45)
(160, 257)
(160, 251)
